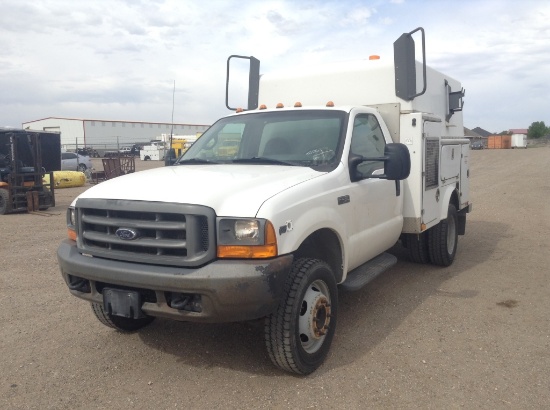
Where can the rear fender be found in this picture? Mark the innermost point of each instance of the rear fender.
(449, 196)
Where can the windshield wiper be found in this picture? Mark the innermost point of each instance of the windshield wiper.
(262, 160)
(195, 161)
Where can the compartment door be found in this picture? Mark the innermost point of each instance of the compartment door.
(431, 173)
(465, 176)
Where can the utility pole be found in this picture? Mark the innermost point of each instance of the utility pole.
(172, 129)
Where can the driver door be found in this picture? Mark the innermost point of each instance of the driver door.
(375, 219)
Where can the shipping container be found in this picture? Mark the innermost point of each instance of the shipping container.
(499, 142)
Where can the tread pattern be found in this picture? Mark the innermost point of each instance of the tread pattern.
(279, 334)
(121, 324)
(437, 240)
(102, 316)
(417, 247)
(277, 328)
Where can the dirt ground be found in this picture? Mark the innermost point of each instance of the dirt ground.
(473, 335)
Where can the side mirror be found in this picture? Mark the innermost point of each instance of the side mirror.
(405, 66)
(397, 163)
(253, 81)
(170, 157)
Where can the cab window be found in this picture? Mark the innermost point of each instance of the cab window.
(367, 141)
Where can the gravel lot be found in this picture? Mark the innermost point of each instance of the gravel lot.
(473, 335)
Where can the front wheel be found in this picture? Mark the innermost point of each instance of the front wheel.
(299, 333)
(443, 239)
(81, 167)
(122, 324)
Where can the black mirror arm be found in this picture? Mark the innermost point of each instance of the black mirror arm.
(353, 162)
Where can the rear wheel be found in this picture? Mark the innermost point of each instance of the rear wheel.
(122, 324)
(443, 239)
(299, 333)
(81, 167)
(417, 247)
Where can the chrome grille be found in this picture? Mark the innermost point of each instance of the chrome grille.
(162, 233)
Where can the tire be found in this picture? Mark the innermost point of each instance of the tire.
(443, 239)
(81, 168)
(417, 247)
(122, 324)
(299, 333)
(4, 199)
(47, 200)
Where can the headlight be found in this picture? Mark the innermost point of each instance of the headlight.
(71, 223)
(247, 230)
(71, 217)
(246, 238)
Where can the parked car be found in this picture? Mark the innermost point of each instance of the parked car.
(71, 161)
(477, 145)
(88, 151)
(125, 151)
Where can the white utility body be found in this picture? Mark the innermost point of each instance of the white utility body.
(439, 152)
(155, 151)
(277, 206)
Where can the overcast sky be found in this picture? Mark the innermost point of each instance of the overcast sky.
(118, 60)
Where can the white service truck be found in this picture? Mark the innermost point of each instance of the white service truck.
(155, 151)
(307, 203)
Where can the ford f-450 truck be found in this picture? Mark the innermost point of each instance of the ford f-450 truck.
(282, 204)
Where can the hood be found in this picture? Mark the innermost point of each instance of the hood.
(231, 190)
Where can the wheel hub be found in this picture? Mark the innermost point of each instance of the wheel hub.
(315, 314)
(321, 317)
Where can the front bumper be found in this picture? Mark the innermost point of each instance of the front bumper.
(227, 290)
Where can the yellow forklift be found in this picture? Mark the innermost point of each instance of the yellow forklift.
(26, 156)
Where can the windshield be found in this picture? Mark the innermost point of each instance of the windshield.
(299, 138)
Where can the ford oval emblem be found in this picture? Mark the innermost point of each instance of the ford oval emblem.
(127, 234)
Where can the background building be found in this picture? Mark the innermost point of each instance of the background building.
(109, 135)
